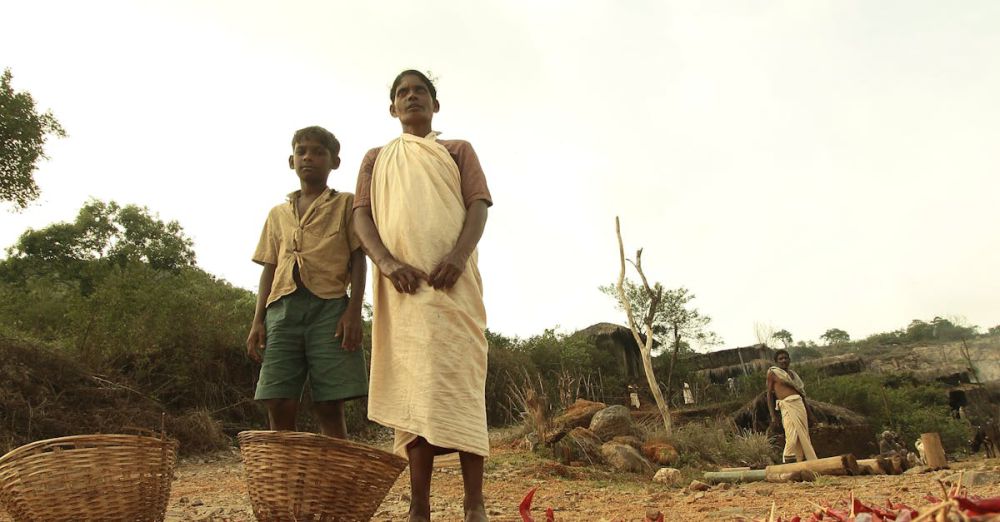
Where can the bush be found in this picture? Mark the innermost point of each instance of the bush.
(718, 442)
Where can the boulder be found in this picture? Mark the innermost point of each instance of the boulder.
(625, 458)
(612, 422)
(579, 445)
(578, 414)
(661, 453)
(668, 476)
(697, 485)
(629, 440)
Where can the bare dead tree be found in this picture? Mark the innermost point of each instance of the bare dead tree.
(645, 347)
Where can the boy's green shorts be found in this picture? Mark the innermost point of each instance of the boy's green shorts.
(300, 330)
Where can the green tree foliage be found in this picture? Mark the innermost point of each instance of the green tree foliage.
(938, 328)
(994, 330)
(784, 336)
(119, 291)
(23, 132)
(102, 236)
(835, 336)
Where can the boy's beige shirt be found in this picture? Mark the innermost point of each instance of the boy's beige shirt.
(320, 242)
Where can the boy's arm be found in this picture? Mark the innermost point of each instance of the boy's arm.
(452, 266)
(403, 276)
(256, 339)
(349, 327)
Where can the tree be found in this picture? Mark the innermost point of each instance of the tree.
(23, 132)
(104, 234)
(645, 345)
(784, 336)
(994, 330)
(835, 336)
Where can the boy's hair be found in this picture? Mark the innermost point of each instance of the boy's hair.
(423, 77)
(319, 135)
(781, 351)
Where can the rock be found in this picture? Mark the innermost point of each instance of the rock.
(556, 434)
(661, 453)
(578, 414)
(580, 444)
(977, 478)
(668, 476)
(197, 502)
(612, 422)
(697, 485)
(725, 485)
(916, 470)
(625, 458)
(629, 440)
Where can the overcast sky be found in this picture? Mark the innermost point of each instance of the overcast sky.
(803, 164)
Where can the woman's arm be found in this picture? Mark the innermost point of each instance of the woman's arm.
(451, 267)
(405, 278)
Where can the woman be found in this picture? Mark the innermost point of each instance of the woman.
(420, 210)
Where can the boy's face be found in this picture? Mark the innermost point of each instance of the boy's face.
(413, 103)
(312, 161)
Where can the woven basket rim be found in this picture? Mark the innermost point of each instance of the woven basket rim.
(306, 435)
(13, 454)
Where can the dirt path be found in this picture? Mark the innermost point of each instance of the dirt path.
(213, 489)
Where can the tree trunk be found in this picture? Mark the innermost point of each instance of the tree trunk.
(748, 475)
(647, 365)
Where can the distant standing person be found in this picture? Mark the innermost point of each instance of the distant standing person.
(420, 211)
(786, 393)
(304, 324)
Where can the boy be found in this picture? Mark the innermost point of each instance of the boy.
(304, 324)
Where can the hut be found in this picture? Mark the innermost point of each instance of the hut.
(846, 364)
(835, 430)
(617, 340)
(717, 367)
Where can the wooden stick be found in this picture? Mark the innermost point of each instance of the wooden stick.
(933, 451)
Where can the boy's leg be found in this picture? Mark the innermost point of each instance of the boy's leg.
(421, 455)
(283, 369)
(335, 374)
(331, 418)
(472, 479)
(281, 413)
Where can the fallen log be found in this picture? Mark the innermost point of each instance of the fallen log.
(841, 465)
(747, 475)
(876, 466)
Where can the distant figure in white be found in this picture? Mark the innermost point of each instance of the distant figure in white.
(786, 393)
(688, 396)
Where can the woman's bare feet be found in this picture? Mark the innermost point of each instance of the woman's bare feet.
(475, 511)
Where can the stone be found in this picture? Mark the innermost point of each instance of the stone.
(579, 414)
(697, 485)
(977, 478)
(916, 470)
(612, 422)
(629, 440)
(668, 476)
(579, 445)
(661, 453)
(625, 458)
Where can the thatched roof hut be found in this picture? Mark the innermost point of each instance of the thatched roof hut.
(730, 357)
(846, 364)
(618, 340)
(835, 430)
(721, 374)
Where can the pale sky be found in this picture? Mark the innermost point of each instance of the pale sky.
(804, 164)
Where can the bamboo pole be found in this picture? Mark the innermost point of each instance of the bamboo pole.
(749, 475)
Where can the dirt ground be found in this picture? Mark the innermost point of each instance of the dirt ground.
(213, 489)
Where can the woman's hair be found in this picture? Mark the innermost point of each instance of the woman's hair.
(418, 74)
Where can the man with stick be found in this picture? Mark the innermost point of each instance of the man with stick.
(786, 393)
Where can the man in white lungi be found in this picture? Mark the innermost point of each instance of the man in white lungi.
(420, 211)
(786, 393)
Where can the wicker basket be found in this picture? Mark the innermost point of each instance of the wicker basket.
(88, 477)
(305, 476)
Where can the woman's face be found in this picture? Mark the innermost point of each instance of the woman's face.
(412, 102)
